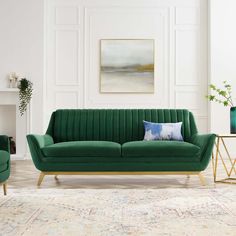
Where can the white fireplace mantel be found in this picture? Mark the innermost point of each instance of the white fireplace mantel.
(10, 96)
(9, 89)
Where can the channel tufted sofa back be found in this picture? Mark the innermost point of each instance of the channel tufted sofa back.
(117, 125)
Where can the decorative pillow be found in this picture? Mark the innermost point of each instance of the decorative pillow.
(162, 131)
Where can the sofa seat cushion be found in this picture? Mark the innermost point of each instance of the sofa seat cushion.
(83, 149)
(160, 149)
(4, 157)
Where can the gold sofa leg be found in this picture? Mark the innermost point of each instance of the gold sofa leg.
(41, 176)
(202, 179)
(5, 189)
(56, 173)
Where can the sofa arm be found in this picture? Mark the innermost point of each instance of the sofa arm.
(4, 143)
(40, 140)
(206, 144)
(36, 142)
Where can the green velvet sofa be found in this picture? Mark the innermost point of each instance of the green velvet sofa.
(4, 161)
(110, 141)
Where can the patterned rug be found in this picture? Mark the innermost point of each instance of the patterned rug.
(118, 212)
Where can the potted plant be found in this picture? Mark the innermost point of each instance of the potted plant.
(25, 94)
(224, 96)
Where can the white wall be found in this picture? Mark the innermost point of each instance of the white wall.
(223, 57)
(22, 44)
(179, 28)
(21, 48)
(73, 32)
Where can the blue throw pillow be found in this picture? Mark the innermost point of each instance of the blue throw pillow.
(162, 131)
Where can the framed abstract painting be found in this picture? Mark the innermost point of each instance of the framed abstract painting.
(127, 65)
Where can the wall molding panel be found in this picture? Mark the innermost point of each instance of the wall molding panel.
(74, 29)
(96, 18)
(66, 57)
(67, 15)
(187, 16)
(187, 57)
(66, 99)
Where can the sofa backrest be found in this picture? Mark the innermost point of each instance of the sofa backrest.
(117, 125)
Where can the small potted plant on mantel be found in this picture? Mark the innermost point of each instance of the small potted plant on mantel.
(25, 87)
(224, 97)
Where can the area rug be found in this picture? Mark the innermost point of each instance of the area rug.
(118, 212)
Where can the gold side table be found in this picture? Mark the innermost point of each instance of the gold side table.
(218, 157)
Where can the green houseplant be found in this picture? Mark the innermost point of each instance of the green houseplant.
(25, 94)
(224, 97)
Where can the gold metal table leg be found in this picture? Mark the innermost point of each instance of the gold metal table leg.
(218, 154)
(216, 160)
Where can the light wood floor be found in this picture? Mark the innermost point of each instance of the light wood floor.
(25, 175)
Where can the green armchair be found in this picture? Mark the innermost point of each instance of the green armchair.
(4, 161)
